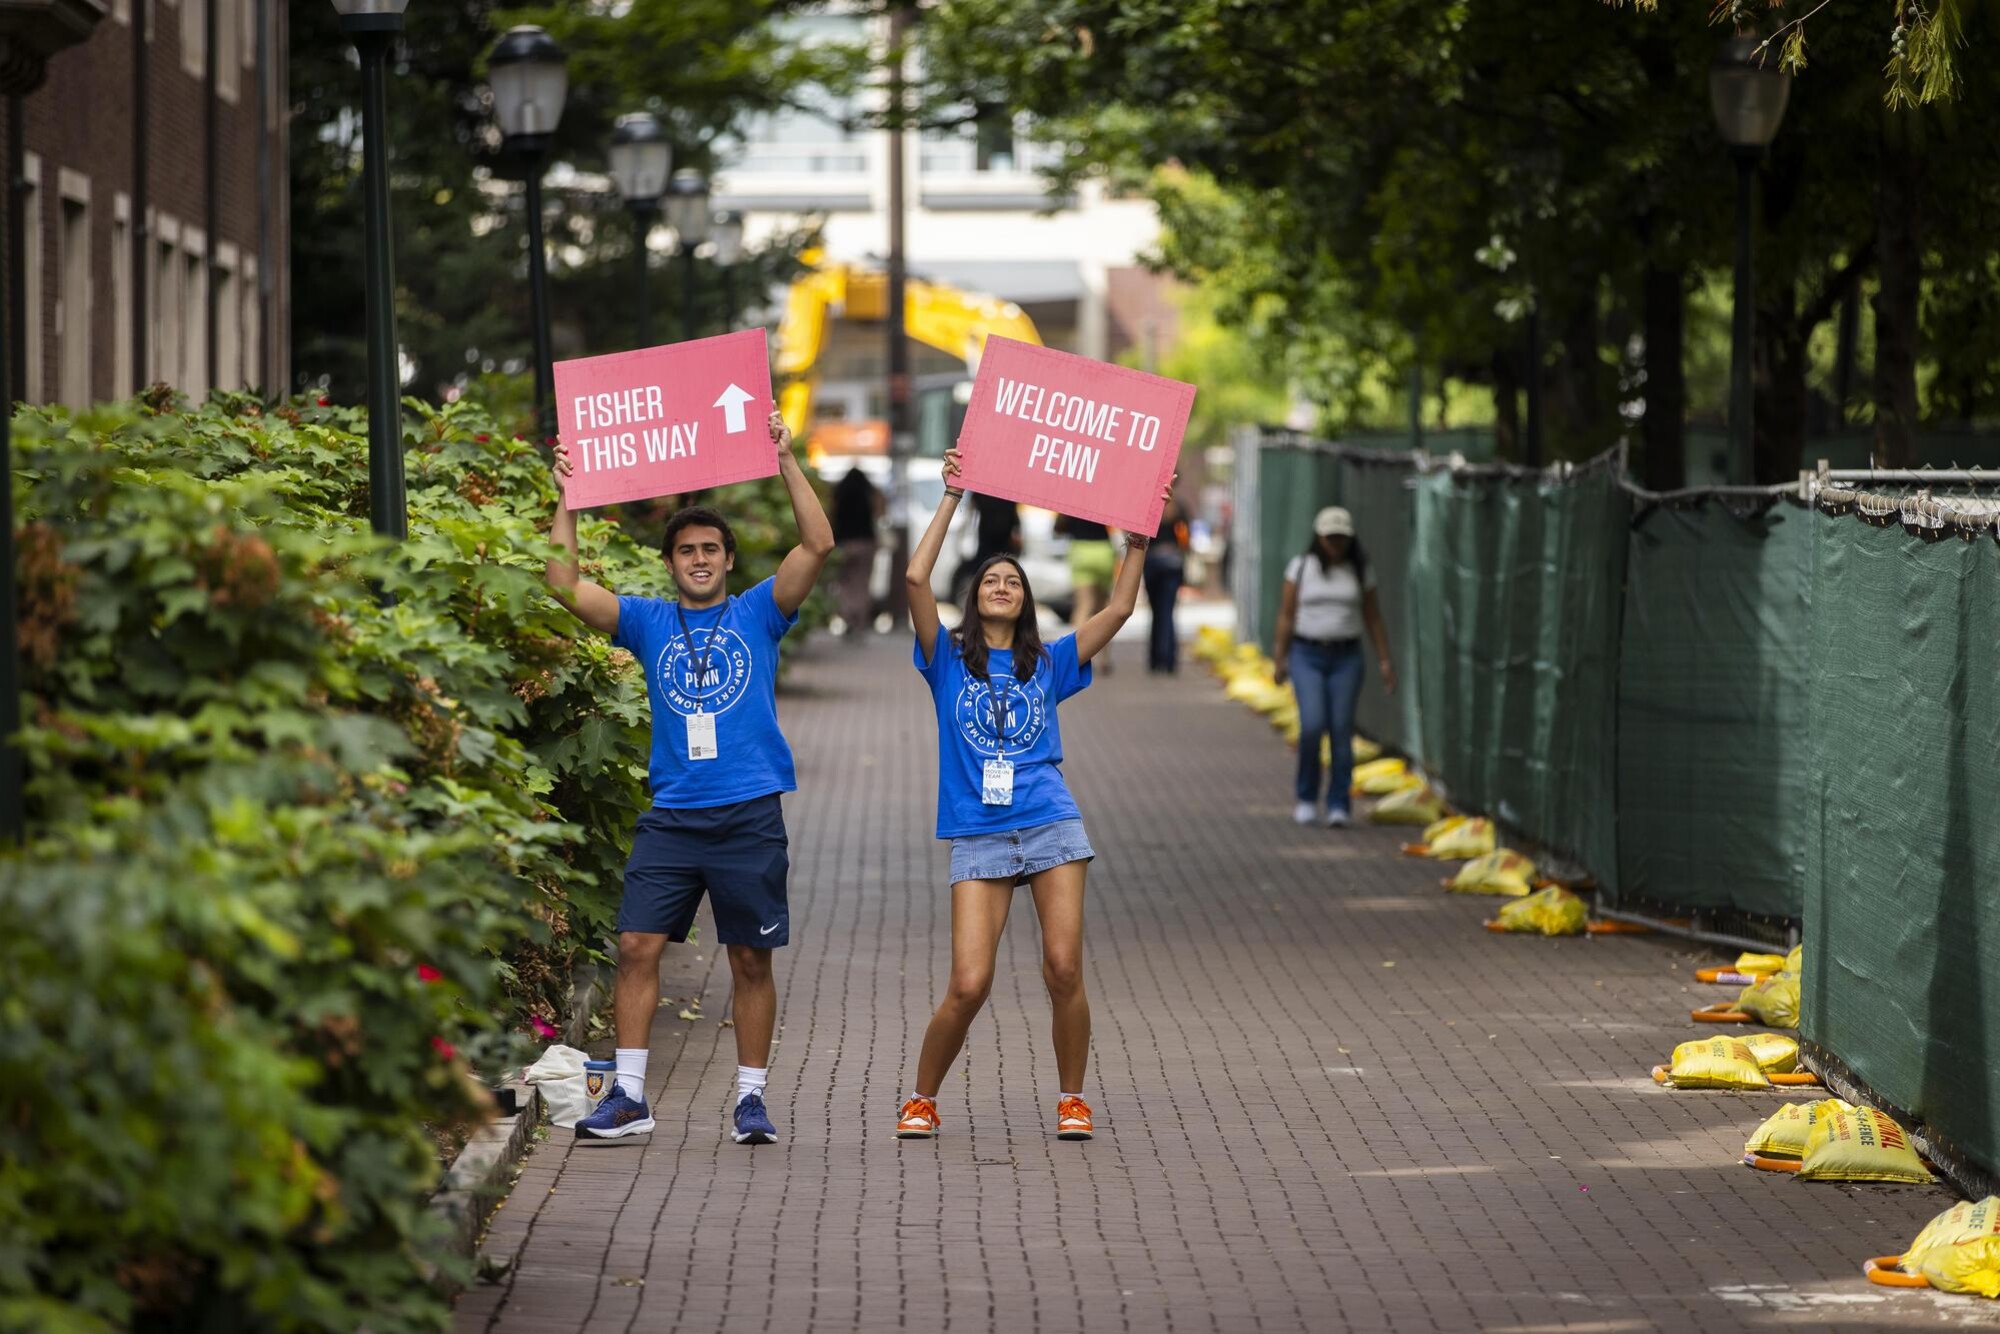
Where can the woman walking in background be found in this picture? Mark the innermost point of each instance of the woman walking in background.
(1328, 597)
(1166, 569)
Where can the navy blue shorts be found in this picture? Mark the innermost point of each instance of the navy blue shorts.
(735, 854)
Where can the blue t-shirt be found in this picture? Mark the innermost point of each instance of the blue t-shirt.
(1028, 735)
(737, 641)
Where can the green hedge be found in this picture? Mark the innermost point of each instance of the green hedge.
(315, 825)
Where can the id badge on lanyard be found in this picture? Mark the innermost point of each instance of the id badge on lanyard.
(996, 784)
(701, 723)
(701, 736)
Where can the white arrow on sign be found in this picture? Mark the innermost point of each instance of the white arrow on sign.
(731, 403)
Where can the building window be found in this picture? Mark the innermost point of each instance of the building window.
(228, 46)
(194, 323)
(228, 322)
(253, 327)
(73, 302)
(819, 134)
(31, 242)
(168, 322)
(121, 297)
(194, 36)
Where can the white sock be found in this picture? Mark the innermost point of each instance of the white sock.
(1077, 1096)
(750, 1079)
(632, 1072)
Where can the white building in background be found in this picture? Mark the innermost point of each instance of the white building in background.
(978, 218)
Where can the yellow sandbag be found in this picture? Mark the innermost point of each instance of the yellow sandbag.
(1860, 1144)
(1414, 805)
(1502, 871)
(1776, 1054)
(1380, 777)
(1364, 752)
(1959, 1250)
(1795, 961)
(1772, 1000)
(1270, 697)
(1467, 838)
(1785, 1132)
(1212, 643)
(1550, 912)
(1758, 965)
(1437, 829)
(1246, 686)
(1716, 1063)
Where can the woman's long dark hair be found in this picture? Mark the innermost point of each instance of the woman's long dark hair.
(1354, 554)
(971, 633)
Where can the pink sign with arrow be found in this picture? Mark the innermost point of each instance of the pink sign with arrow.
(666, 420)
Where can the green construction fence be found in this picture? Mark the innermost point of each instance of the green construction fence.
(1739, 708)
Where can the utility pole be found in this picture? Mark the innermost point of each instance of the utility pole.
(902, 438)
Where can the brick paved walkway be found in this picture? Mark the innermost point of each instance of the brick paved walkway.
(1326, 1099)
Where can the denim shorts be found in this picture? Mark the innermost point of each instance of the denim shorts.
(1019, 853)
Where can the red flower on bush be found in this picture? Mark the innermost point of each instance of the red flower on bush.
(444, 1049)
(482, 437)
(542, 1026)
(325, 402)
(428, 973)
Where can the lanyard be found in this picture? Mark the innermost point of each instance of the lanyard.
(999, 726)
(700, 664)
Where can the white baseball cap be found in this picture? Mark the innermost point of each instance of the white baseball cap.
(1333, 521)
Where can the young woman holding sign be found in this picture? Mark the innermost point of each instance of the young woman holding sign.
(1002, 801)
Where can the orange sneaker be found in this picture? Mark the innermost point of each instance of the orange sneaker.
(1072, 1119)
(919, 1119)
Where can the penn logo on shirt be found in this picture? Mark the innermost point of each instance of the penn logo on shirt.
(1023, 715)
(724, 655)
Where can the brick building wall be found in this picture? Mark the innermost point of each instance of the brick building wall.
(80, 194)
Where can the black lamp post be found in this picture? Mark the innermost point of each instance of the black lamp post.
(1748, 97)
(30, 33)
(728, 235)
(640, 159)
(687, 214)
(530, 83)
(372, 26)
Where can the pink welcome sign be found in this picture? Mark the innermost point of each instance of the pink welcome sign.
(1073, 435)
(666, 420)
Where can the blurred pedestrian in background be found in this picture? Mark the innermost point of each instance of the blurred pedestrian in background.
(857, 508)
(1328, 597)
(1166, 569)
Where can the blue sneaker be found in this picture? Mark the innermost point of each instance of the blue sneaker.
(616, 1117)
(753, 1123)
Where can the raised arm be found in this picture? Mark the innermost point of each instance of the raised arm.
(1097, 632)
(917, 579)
(595, 606)
(799, 571)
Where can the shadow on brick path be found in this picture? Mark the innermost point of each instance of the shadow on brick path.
(1293, 1133)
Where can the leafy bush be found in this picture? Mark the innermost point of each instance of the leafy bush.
(314, 823)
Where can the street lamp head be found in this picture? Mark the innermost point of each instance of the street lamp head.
(1747, 93)
(530, 82)
(727, 232)
(687, 207)
(358, 16)
(31, 31)
(640, 157)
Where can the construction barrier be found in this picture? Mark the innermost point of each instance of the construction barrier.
(1776, 712)
(1901, 823)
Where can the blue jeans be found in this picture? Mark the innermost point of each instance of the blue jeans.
(1163, 588)
(1327, 680)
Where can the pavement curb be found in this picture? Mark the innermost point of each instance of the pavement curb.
(477, 1178)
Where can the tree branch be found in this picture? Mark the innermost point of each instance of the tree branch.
(1820, 308)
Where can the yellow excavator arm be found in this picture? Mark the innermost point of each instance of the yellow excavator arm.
(938, 316)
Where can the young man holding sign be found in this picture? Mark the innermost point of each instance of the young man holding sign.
(719, 764)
